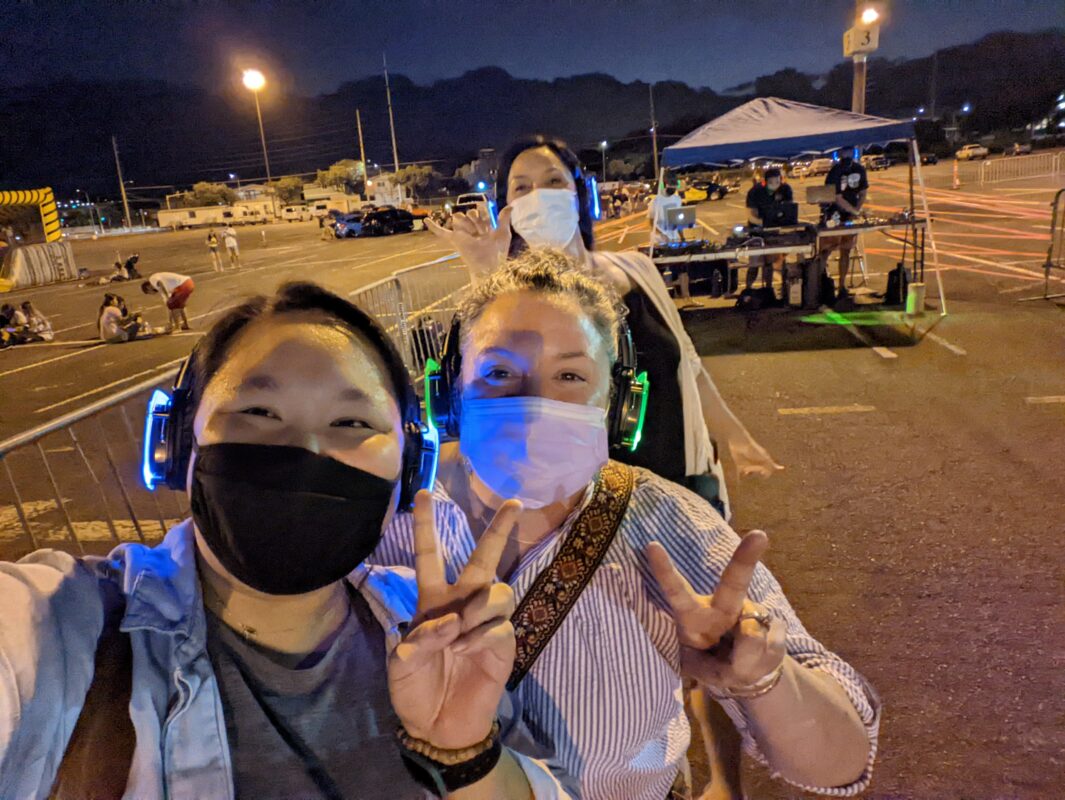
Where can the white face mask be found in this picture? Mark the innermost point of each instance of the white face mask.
(537, 450)
(546, 217)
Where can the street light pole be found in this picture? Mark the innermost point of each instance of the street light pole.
(864, 19)
(254, 80)
(602, 148)
(121, 183)
(362, 150)
(654, 127)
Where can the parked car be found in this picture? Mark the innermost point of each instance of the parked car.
(700, 191)
(386, 220)
(799, 167)
(1019, 149)
(971, 152)
(470, 201)
(875, 163)
(820, 166)
(929, 158)
(346, 226)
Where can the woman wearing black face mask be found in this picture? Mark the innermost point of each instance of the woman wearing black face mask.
(257, 657)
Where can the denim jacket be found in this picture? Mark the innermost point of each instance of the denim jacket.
(51, 615)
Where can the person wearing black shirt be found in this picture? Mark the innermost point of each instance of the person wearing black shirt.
(848, 178)
(760, 200)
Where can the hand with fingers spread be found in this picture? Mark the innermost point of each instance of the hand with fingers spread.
(448, 674)
(727, 641)
(482, 247)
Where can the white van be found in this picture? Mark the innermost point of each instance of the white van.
(295, 213)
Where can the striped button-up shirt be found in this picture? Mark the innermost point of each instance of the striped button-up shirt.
(604, 698)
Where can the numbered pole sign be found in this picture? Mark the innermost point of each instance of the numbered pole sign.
(860, 40)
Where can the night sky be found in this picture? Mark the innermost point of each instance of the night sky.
(312, 47)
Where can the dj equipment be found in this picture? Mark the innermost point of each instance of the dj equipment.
(680, 218)
(168, 439)
(625, 418)
(780, 214)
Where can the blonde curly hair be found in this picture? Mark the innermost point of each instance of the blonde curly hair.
(551, 273)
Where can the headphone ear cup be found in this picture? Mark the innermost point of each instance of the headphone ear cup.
(180, 440)
(410, 474)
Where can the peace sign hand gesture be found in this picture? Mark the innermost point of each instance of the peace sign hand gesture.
(482, 247)
(726, 640)
(448, 674)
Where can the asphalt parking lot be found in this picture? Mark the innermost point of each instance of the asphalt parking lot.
(917, 525)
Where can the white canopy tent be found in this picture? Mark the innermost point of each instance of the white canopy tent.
(769, 127)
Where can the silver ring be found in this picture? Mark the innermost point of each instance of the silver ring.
(763, 618)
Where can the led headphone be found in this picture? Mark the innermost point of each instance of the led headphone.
(169, 440)
(628, 406)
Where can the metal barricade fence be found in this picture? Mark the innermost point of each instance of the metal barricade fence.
(1019, 167)
(1056, 248)
(75, 483)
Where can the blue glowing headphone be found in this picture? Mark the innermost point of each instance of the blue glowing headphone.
(628, 405)
(169, 440)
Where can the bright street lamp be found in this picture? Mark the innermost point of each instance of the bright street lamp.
(869, 16)
(602, 149)
(254, 80)
(966, 108)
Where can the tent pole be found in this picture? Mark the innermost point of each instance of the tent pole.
(916, 155)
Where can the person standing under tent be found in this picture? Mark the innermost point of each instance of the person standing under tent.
(849, 179)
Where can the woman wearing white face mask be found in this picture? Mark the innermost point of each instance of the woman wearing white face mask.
(606, 624)
(545, 203)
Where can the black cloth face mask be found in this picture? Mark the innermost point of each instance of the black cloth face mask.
(284, 520)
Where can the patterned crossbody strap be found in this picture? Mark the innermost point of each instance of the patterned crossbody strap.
(556, 589)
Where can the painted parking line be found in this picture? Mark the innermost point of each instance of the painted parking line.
(126, 379)
(36, 364)
(813, 411)
(840, 320)
(958, 351)
(1045, 401)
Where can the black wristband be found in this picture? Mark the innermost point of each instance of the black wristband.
(442, 779)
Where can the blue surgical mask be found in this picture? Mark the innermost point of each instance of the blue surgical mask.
(538, 450)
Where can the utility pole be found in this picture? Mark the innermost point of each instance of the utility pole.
(391, 119)
(858, 91)
(121, 183)
(935, 69)
(362, 150)
(654, 127)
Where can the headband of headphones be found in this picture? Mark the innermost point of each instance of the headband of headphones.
(628, 406)
(169, 440)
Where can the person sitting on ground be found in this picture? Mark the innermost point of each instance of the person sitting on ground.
(760, 201)
(175, 291)
(851, 183)
(130, 267)
(116, 325)
(37, 323)
(251, 654)
(662, 587)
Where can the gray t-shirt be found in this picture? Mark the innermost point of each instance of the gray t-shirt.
(337, 709)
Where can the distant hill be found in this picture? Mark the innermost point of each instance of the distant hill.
(59, 134)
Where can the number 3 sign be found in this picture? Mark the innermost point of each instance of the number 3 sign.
(860, 40)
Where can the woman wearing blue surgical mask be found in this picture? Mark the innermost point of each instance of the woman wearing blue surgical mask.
(625, 581)
(251, 654)
(544, 203)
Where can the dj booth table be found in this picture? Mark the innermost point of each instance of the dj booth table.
(803, 242)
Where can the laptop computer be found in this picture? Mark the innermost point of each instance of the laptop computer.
(780, 215)
(680, 218)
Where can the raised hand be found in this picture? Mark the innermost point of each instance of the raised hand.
(448, 674)
(726, 640)
(751, 458)
(482, 247)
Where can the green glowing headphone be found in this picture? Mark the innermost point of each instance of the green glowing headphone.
(628, 406)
